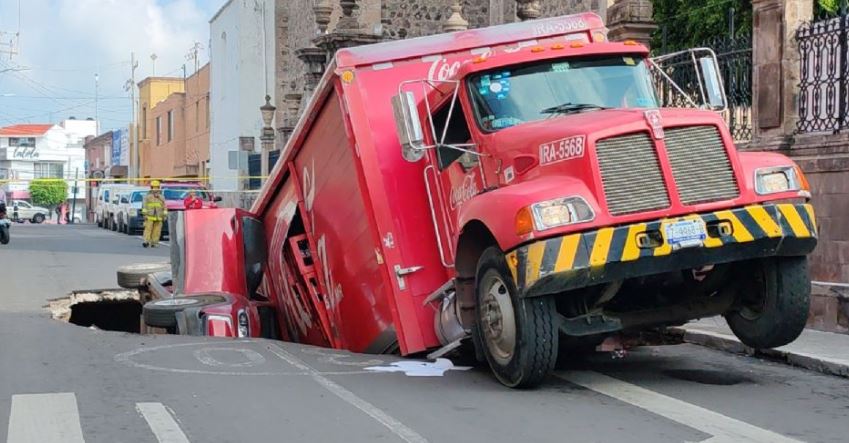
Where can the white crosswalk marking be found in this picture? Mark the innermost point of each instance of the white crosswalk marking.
(723, 429)
(45, 418)
(163, 425)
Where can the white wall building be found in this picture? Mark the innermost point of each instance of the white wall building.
(30, 151)
(242, 74)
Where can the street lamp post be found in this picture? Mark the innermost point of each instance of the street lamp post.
(267, 138)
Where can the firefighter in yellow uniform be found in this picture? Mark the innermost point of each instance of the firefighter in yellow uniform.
(154, 211)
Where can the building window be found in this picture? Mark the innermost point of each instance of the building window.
(170, 125)
(144, 123)
(48, 170)
(158, 131)
(27, 142)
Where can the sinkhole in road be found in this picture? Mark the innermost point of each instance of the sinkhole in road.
(107, 309)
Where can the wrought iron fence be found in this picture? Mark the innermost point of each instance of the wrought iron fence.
(824, 75)
(734, 55)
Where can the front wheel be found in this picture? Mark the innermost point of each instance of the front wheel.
(518, 336)
(38, 219)
(773, 303)
(4, 234)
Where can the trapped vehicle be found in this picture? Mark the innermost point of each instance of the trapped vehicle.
(515, 187)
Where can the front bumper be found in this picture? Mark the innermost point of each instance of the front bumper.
(578, 260)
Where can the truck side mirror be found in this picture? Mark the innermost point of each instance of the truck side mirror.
(714, 94)
(408, 126)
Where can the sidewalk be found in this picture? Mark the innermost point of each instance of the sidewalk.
(823, 352)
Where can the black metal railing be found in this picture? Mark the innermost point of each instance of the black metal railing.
(734, 56)
(824, 74)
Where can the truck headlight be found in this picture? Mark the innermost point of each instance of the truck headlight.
(134, 212)
(554, 213)
(780, 179)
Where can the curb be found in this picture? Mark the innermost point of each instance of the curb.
(727, 343)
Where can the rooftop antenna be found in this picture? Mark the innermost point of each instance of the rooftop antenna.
(192, 55)
(153, 59)
(10, 42)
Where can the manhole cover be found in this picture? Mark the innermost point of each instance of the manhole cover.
(707, 377)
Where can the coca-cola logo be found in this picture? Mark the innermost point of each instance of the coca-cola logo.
(464, 192)
(25, 153)
(441, 69)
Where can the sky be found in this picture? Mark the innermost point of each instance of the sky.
(64, 45)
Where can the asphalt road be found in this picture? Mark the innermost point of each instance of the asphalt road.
(60, 382)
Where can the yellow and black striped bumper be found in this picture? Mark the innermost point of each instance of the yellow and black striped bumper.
(583, 259)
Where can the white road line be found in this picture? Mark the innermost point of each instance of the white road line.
(45, 418)
(163, 425)
(721, 427)
(397, 428)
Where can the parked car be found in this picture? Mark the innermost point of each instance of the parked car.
(130, 218)
(109, 199)
(20, 210)
(175, 192)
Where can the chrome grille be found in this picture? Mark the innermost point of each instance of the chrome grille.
(700, 165)
(631, 174)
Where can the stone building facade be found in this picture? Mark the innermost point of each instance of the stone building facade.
(299, 23)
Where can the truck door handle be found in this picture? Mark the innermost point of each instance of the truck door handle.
(401, 272)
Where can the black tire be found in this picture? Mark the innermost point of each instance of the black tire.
(161, 313)
(132, 276)
(100, 223)
(113, 225)
(531, 357)
(38, 218)
(773, 304)
(4, 235)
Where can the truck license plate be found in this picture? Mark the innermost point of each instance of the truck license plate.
(686, 234)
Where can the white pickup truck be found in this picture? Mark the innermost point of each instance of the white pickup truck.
(128, 216)
(19, 210)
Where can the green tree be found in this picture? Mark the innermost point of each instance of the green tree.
(48, 192)
(689, 23)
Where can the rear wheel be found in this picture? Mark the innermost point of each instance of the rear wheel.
(518, 337)
(4, 234)
(773, 303)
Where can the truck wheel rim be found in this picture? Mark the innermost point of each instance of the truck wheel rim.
(498, 320)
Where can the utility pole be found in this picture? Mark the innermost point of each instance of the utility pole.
(153, 59)
(96, 118)
(74, 202)
(131, 87)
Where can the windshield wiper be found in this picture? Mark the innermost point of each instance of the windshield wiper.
(567, 108)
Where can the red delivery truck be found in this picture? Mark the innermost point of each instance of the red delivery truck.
(517, 188)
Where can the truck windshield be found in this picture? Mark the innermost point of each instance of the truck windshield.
(509, 96)
(138, 197)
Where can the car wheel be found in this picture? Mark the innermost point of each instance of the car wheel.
(161, 313)
(773, 303)
(133, 276)
(519, 337)
(38, 218)
(4, 234)
(113, 225)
